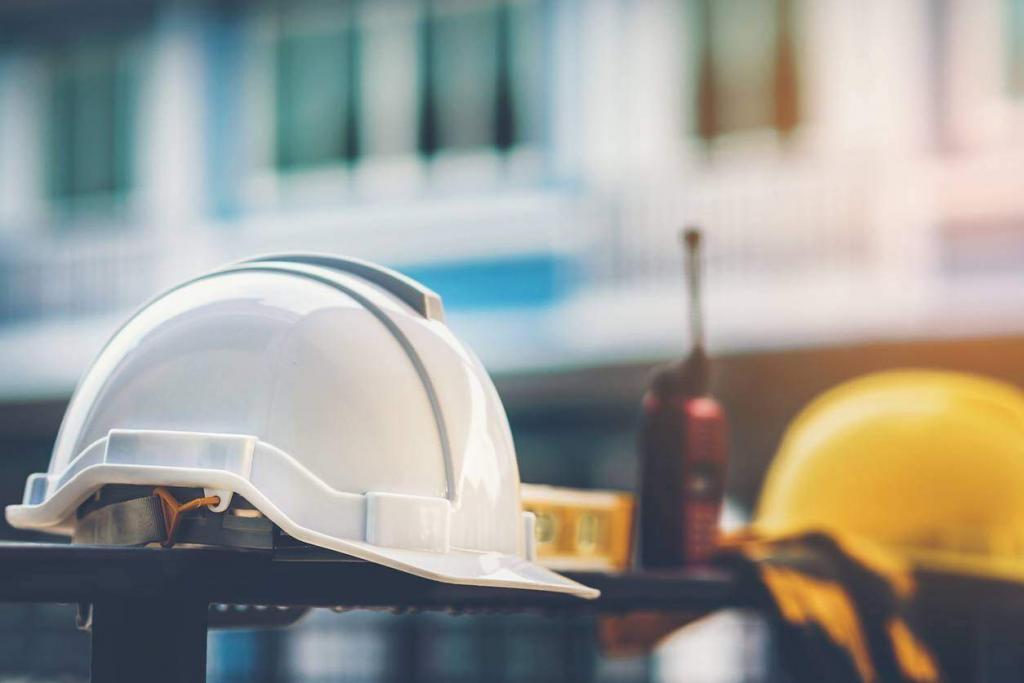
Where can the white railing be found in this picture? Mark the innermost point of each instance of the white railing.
(758, 223)
(60, 277)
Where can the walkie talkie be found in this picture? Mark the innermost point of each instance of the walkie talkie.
(683, 452)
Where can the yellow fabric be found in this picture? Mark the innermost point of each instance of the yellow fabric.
(929, 464)
(804, 600)
(825, 585)
(913, 657)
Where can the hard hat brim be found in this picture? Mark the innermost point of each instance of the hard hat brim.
(465, 567)
(52, 509)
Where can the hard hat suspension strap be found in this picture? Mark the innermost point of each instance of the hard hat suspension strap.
(173, 509)
(132, 515)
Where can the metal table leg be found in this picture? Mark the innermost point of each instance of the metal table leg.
(158, 641)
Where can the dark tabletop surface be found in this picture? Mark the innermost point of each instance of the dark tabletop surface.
(44, 572)
(51, 572)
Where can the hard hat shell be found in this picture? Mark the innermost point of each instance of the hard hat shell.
(928, 463)
(330, 395)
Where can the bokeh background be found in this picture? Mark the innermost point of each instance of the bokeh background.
(858, 168)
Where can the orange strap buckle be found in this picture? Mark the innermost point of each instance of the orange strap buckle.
(173, 510)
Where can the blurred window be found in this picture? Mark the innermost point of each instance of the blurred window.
(317, 90)
(746, 70)
(388, 54)
(90, 111)
(1015, 46)
(480, 74)
(348, 86)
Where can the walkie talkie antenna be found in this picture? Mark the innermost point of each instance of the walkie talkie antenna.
(691, 239)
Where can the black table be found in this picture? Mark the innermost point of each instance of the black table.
(149, 608)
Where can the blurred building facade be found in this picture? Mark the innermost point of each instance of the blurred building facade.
(855, 164)
(531, 159)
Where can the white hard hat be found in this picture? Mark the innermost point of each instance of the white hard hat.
(330, 396)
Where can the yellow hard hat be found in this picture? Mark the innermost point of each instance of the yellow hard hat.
(927, 463)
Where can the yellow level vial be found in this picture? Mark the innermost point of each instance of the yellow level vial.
(580, 530)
